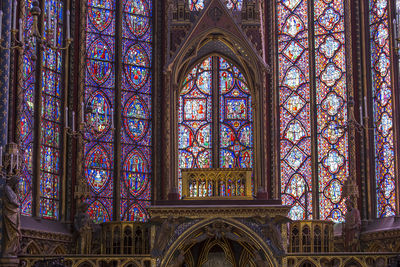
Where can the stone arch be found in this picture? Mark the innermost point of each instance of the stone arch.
(212, 244)
(308, 263)
(85, 263)
(131, 264)
(225, 44)
(376, 246)
(250, 235)
(32, 248)
(59, 250)
(353, 262)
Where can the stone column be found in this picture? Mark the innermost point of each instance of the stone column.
(6, 7)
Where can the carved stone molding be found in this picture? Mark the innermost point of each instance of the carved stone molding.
(222, 211)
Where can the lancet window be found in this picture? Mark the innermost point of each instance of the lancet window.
(118, 108)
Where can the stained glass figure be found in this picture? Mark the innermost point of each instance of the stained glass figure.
(383, 108)
(233, 121)
(234, 4)
(196, 5)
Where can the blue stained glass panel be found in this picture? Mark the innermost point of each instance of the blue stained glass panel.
(136, 102)
(99, 102)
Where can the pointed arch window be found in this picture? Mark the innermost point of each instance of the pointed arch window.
(215, 117)
(118, 106)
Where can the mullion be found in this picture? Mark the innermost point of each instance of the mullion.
(215, 111)
(117, 110)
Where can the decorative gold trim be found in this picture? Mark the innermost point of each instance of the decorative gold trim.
(222, 211)
(201, 180)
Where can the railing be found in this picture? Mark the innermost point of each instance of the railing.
(312, 236)
(129, 238)
(216, 184)
(87, 260)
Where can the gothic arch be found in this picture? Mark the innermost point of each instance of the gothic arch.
(183, 72)
(308, 263)
(131, 264)
(254, 77)
(224, 43)
(251, 237)
(85, 263)
(59, 250)
(32, 248)
(225, 247)
(353, 262)
(218, 35)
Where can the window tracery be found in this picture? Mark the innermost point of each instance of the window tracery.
(215, 117)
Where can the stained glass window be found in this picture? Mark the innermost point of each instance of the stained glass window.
(235, 118)
(383, 108)
(294, 101)
(51, 93)
(134, 104)
(330, 107)
(136, 110)
(234, 4)
(331, 98)
(51, 114)
(99, 98)
(197, 5)
(25, 129)
(205, 109)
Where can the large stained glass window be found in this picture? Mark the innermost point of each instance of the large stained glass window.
(294, 101)
(134, 105)
(331, 101)
(51, 114)
(330, 107)
(215, 99)
(25, 129)
(51, 93)
(136, 110)
(383, 108)
(99, 100)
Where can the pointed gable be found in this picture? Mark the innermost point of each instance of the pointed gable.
(216, 21)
